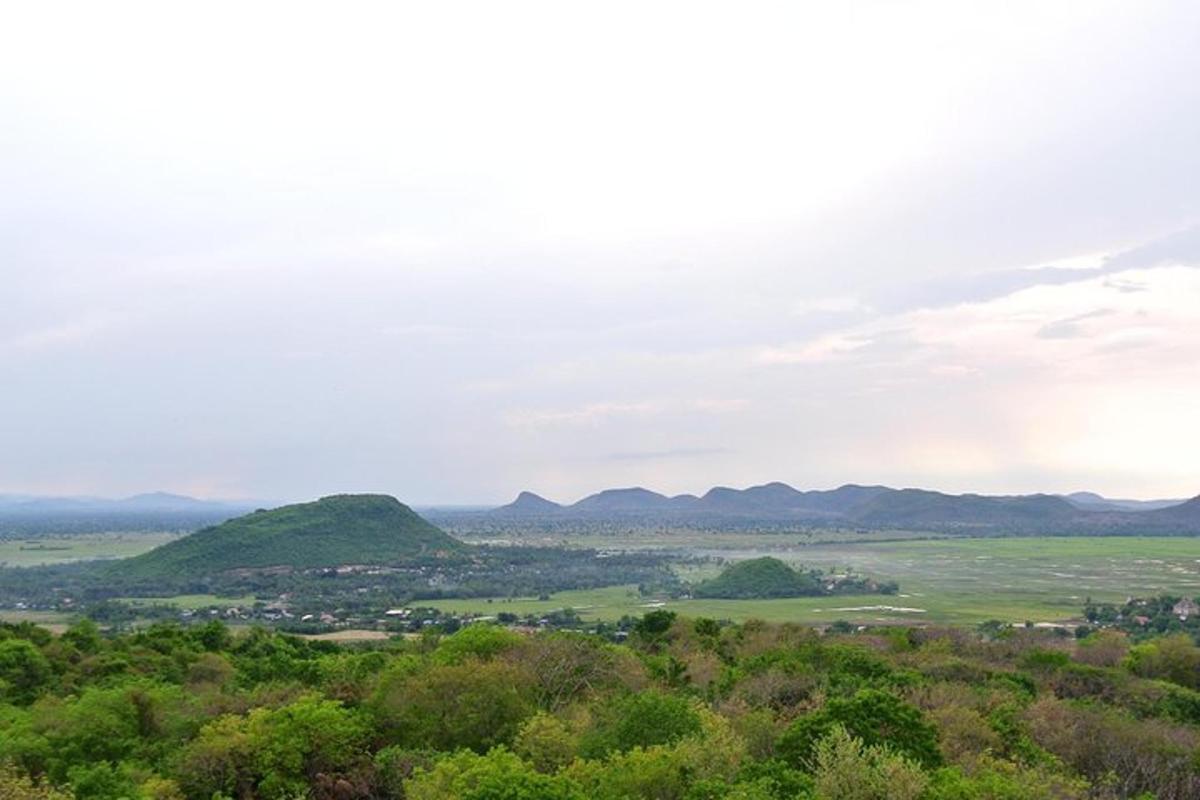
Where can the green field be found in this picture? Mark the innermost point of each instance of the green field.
(963, 581)
(191, 601)
(79, 547)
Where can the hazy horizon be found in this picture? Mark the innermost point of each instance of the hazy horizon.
(450, 253)
(417, 503)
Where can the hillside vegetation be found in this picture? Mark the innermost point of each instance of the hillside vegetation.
(336, 530)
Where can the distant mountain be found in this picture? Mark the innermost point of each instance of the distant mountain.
(1185, 514)
(917, 507)
(164, 501)
(624, 500)
(882, 507)
(530, 503)
(153, 501)
(332, 531)
(774, 496)
(157, 511)
(1090, 501)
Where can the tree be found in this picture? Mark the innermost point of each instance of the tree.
(1174, 658)
(641, 720)
(24, 671)
(564, 667)
(17, 786)
(546, 742)
(654, 623)
(295, 743)
(476, 705)
(476, 641)
(846, 769)
(497, 775)
(102, 781)
(873, 716)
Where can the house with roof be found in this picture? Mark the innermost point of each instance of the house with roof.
(1185, 608)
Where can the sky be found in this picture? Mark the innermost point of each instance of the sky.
(451, 251)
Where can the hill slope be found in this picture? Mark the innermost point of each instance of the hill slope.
(341, 529)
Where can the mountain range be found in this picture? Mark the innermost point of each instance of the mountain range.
(883, 507)
(151, 501)
(25, 514)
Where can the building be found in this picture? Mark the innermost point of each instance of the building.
(1186, 608)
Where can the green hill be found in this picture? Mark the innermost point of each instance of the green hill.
(759, 578)
(341, 529)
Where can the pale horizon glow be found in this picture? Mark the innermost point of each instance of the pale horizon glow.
(454, 251)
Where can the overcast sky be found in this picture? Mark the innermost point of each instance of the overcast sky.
(450, 251)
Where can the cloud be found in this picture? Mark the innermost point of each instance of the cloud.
(840, 304)
(1180, 247)
(1070, 328)
(454, 294)
(661, 455)
(594, 414)
(590, 414)
(59, 336)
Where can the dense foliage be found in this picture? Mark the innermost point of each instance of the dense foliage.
(683, 710)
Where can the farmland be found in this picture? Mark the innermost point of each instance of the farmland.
(66, 548)
(959, 581)
(942, 580)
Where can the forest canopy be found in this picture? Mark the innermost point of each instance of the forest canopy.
(682, 710)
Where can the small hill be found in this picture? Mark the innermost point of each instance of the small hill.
(530, 503)
(341, 529)
(759, 578)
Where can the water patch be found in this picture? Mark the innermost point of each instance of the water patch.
(897, 609)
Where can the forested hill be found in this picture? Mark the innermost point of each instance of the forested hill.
(759, 578)
(882, 507)
(336, 530)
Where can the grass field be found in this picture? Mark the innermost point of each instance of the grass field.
(963, 581)
(80, 547)
(191, 601)
(349, 635)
